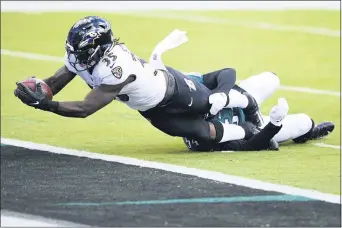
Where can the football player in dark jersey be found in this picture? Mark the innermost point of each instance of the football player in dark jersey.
(278, 127)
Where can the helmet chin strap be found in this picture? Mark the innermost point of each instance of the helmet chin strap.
(91, 60)
(95, 51)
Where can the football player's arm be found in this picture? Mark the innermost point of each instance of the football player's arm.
(173, 40)
(94, 101)
(221, 80)
(253, 140)
(258, 141)
(60, 79)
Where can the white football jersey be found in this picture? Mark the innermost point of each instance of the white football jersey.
(114, 68)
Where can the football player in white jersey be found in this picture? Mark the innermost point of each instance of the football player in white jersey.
(172, 102)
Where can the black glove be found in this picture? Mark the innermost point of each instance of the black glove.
(36, 99)
(18, 92)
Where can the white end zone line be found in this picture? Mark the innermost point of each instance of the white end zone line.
(221, 177)
(28, 55)
(14, 219)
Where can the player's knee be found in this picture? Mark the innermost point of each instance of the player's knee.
(197, 146)
(273, 79)
(305, 122)
(199, 131)
(202, 135)
(270, 79)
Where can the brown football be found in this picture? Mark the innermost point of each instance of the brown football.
(31, 84)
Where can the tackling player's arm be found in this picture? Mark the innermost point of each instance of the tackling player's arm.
(221, 80)
(60, 79)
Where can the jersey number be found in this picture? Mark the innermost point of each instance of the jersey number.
(109, 59)
(134, 57)
(190, 143)
(235, 120)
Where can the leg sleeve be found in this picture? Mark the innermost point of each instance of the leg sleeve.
(259, 141)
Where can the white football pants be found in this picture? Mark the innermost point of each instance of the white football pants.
(262, 86)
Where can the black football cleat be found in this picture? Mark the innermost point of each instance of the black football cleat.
(252, 111)
(321, 130)
(317, 132)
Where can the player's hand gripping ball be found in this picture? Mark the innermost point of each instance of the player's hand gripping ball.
(32, 91)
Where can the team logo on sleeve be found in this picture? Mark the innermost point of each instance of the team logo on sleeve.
(190, 84)
(117, 72)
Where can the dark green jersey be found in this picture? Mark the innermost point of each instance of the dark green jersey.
(231, 115)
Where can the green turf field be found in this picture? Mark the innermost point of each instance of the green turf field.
(299, 59)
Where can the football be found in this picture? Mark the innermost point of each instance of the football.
(31, 84)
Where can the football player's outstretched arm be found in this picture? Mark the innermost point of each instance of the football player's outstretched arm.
(60, 79)
(94, 101)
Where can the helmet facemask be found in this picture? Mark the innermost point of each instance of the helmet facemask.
(86, 53)
(86, 59)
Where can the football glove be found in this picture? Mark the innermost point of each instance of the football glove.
(35, 99)
(279, 112)
(218, 101)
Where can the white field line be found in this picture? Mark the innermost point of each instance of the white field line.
(315, 144)
(327, 145)
(247, 24)
(27, 55)
(14, 219)
(221, 177)
(309, 90)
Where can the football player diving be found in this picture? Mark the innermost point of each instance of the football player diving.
(171, 101)
(264, 134)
